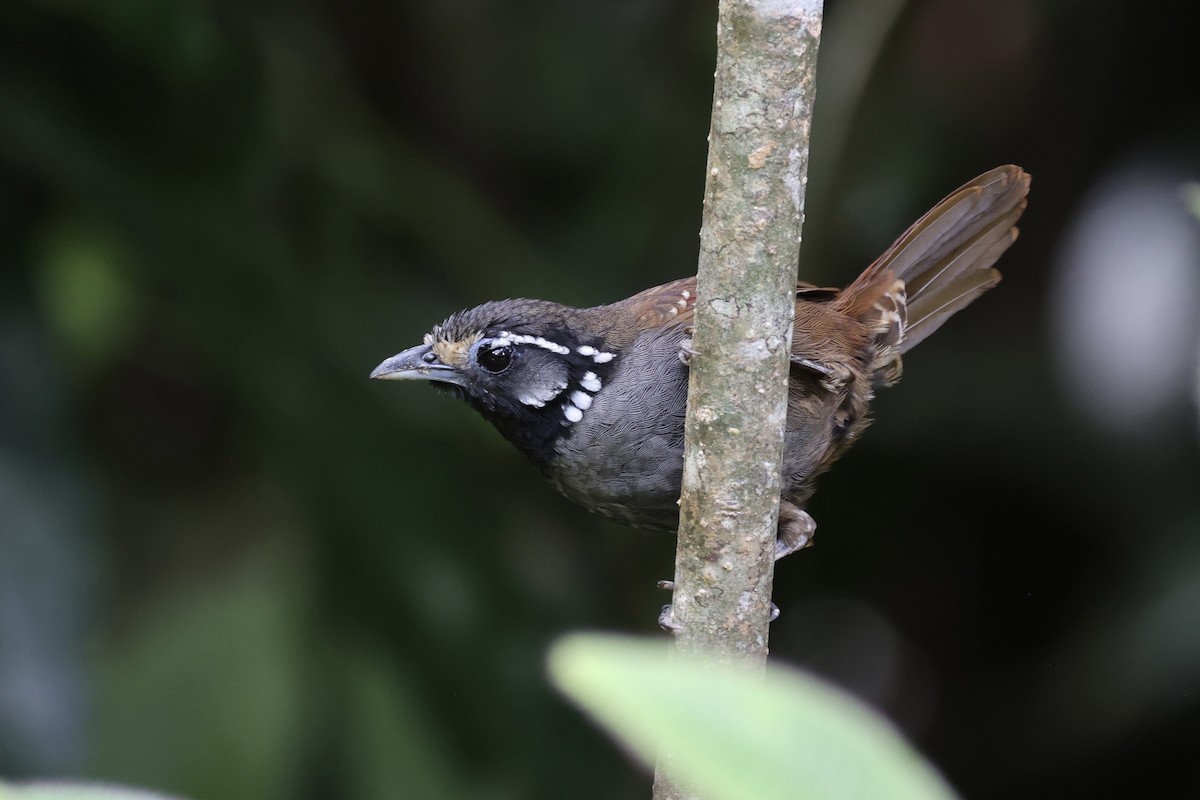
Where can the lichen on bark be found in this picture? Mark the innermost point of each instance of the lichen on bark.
(737, 396)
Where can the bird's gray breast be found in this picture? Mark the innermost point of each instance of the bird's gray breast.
(624, 458)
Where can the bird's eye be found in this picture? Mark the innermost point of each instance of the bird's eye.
(495, 359)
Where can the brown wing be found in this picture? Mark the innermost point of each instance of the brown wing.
(667, 304)
(675, 302)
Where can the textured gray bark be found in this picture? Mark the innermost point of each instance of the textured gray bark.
(737, 397)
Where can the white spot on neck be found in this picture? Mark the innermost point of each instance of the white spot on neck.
(590, 381)
(572, 413)
(587, 351)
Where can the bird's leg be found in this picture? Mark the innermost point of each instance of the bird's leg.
(796, 529)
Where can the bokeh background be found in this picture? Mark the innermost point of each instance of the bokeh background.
(231, 567)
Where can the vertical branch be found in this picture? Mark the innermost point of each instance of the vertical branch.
(737, 396)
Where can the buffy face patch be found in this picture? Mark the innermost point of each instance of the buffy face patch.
(451, 353)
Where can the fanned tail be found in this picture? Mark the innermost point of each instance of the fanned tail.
(941, 263)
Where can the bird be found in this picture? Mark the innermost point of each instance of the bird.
(596, 397)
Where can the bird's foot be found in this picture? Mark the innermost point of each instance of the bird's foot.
(667, 621)
(666, 617)
(796, 530)
(686, 351)
(834, 376)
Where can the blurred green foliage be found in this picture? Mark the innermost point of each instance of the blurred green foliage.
(735, 733)
(230, 566)
(73, 791)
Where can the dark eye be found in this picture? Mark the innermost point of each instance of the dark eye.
(495, 359)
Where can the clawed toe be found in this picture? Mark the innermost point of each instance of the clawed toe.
(685, 351)
(796, 529)
(666, 617)
(667, 621)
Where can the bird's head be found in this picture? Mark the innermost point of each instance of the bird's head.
(523, 364)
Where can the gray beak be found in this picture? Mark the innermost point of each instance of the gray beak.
(416, 364)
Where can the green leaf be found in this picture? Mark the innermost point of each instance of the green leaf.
(73, 791)
(735, 734)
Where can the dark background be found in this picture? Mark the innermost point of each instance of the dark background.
(231, 567)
